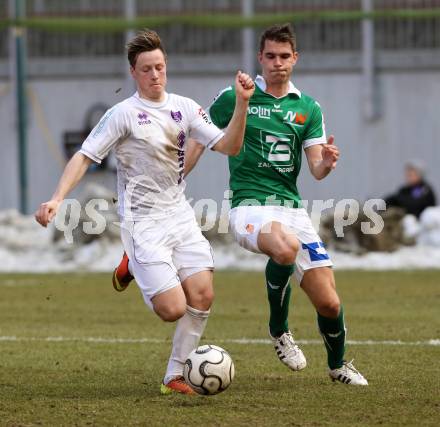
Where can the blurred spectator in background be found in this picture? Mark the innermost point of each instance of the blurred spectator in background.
(416, 195)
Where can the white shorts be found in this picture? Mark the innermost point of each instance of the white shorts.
(163, 253)
(246, 223)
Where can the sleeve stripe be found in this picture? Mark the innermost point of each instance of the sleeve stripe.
(215, 140)
(218, 96)
(222, 92)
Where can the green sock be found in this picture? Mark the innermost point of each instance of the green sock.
(278, 293)
(333, 333)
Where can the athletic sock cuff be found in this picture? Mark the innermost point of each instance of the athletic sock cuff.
(326, 324)
(197, 313)
(283, 269)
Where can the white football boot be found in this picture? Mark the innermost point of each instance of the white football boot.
(288, 352)
(348, 374)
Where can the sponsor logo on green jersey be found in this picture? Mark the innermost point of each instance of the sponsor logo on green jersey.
(258, 110)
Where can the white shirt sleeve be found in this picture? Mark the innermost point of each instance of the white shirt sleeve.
(201, 128)
(111, 128)
(315, 132)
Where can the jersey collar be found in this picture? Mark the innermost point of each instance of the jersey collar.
(261, 83)
(152, 103)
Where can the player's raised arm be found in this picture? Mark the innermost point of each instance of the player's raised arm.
(73, 172)
(322, 158)
(232, 141)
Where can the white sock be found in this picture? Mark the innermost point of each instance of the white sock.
(189, 329)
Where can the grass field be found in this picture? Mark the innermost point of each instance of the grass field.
(77, 381)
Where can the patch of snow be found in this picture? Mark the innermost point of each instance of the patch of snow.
(25, 246)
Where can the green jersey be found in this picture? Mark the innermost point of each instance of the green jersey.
(277, 130)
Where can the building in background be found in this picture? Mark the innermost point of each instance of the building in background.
(378, 83)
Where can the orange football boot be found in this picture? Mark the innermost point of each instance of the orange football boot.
(122, 276)
(177, 385)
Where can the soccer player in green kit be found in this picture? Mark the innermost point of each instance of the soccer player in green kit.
(266, 213)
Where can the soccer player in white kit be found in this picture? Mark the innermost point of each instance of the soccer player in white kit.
(168, 255)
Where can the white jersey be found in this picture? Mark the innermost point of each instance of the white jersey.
(149, 139)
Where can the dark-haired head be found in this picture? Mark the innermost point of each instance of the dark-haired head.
(279, 33)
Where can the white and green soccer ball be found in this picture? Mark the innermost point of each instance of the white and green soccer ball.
(209, 369)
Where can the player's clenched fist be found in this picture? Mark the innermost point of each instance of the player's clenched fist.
(330, 153)
(46, 212)
(244, 85)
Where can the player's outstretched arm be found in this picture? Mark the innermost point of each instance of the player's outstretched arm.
(73, 172)
(232, 141)
(322, 158)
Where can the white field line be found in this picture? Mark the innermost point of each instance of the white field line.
(244, 341)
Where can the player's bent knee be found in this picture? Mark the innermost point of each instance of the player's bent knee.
(329, 308)
(294, 244)
(170, 313)
(285, 255)
(202, 299)
(207, 297)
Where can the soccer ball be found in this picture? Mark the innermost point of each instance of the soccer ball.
(209, 369)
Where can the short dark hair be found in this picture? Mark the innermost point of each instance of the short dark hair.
(280, 33)
(144, 41)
